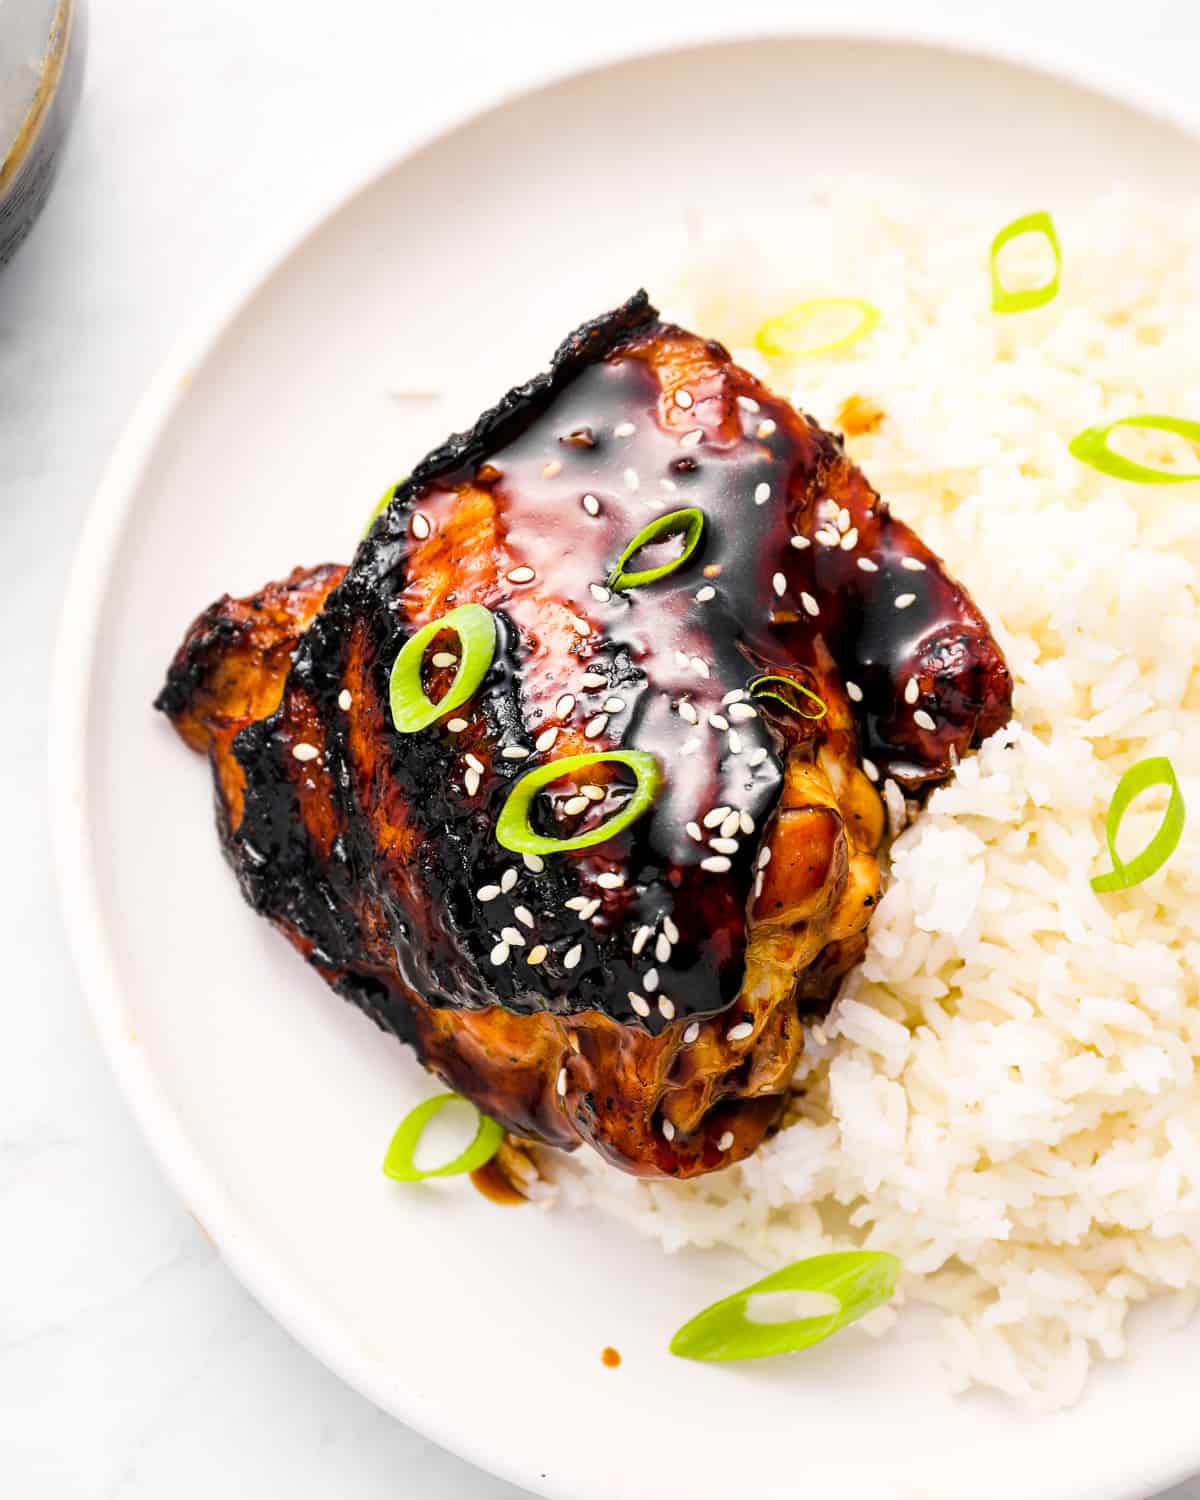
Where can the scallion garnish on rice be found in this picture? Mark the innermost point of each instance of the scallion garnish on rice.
(412, 709)
(1023, 300)
(776, 685)
(688, 523)
(1091, 447)
(400, 1163)
(513, 830)
(1156, 770)
(858, 1281)
(816, 327)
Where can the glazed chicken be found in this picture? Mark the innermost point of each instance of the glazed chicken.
(762, 664)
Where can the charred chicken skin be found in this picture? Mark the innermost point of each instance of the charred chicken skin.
(643, 994)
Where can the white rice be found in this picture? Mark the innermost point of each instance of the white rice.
(1006, 1095)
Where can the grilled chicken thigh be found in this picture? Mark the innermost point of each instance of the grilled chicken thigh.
(643, 994)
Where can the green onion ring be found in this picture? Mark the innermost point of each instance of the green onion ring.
(512, 827)
(777, 336)
(1004, 301)
(690, 522)
(381, 505)
(1157, 770)
(860, 1280)
(758, 691)
(1091, 447)
(412, 710)
(399, 1162)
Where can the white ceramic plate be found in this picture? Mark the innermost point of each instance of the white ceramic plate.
(268, 1100)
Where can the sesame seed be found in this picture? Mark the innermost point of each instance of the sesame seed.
(595, 726)
(758, 756)
(456, 726)
(640, 938)
(690, 439)
(345, 699)
(499, 954)
(766, 428)
(740, 1032)
(779, 584)
(742, 711)
(764, 857)
(471, 782)
(565, 705)
(724, 846)
(748, 403)
(828, 538)
(545, 740)
(508, 880)
(692, 1033)
(717, 815)
(735, 742)
(843, 519)
(726, 1141)
(902, 601)
(552, 470)
(591, 505)
(667, 484)
(912, 690)
(419, 526)
(670, 929)
(719, 721)
(682, 659)
(574, 805)
(444, 659)
(854, 692)
(613, 705)
(589, 910)
(473, 761)
(514, 936)
(810, 604)
(850, 540)
(662, 948)
(639, 1003)
(871, 769)
(700, 666)
(581, 625)
(705, 594)
(762, 493)
(523, 915)
(631, 479)
(689, 747)
(599, 593)
(924, 720)
(650, 981)
(521, 575)
(668, 1131)
(913, 564)
(800, 543)
(610, 880)
(560, 1084)
(487, 892)
(693, 830)
(538, 955)
(534, 863)
(683, 399)
(591, 680)
(575, 903)
(593, 793)
(716, 864)
(666, 1007)
(745, 822)
(515, 752)
(624, 429)
(735, 696)
(867, 565)
(304, 751)
(572, 956)
(688, 711)
(758, 885)
(730, 825)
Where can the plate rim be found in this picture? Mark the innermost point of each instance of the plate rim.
(73, 660)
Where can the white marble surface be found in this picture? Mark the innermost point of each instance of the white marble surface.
(131, 1363)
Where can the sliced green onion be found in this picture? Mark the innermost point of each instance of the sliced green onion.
(1004, 301)
(859, 1281)
(399, 1162)
(512, 827)
(1157, 770)
(412, 710)
(689, 523)
(792, 335)
(381, 505)
(1091, 447)
(760, 688)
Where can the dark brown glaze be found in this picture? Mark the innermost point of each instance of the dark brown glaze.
(661, 1022)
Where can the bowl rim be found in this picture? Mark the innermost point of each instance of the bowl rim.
(78, 629)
